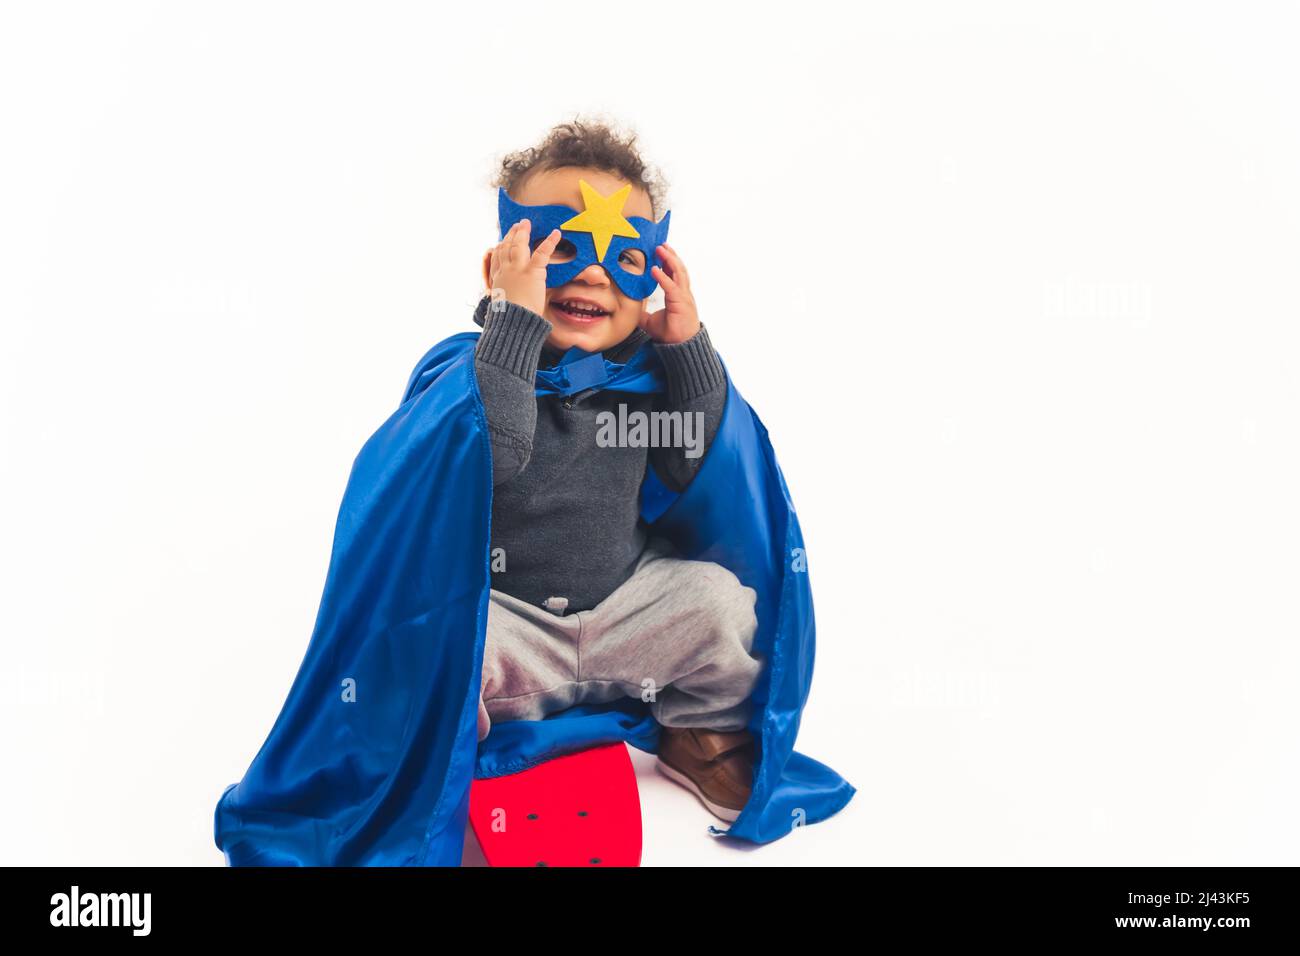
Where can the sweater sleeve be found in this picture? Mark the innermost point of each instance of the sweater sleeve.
(505, 364)
(697, 387)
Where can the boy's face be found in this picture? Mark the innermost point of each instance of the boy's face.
(591, 288)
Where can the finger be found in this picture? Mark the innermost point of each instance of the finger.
(506, 244)
(665, 264)
(499, 256)
(519, 244)
(650, 321)
(665, 280)
(542, 254)
(676, 266)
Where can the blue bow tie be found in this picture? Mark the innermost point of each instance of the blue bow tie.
(578, 370)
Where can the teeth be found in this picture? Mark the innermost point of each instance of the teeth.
(582, 309)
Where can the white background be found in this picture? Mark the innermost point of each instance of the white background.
(1013, 287)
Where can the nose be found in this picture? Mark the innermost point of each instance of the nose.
(594, 274)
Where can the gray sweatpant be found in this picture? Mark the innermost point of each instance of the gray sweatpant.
(676, 634)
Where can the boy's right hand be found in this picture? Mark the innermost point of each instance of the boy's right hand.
(519, 274)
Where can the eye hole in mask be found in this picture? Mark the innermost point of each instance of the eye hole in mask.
(564, 249)
(632, 261)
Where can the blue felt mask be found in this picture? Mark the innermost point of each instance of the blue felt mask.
(600, 234)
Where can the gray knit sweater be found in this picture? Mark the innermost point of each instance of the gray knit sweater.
(565, 508)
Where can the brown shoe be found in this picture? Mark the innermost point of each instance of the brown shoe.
(717, 766)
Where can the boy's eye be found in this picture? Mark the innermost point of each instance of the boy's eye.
(632, 260)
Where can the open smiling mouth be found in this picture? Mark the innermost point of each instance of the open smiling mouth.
(580, 310)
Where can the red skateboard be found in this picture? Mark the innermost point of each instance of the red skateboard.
(582, 809)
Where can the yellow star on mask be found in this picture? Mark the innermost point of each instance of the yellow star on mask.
(602, 216)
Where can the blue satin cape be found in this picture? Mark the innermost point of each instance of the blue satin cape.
(370, 760)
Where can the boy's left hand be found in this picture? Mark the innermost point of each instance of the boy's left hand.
(678, 320)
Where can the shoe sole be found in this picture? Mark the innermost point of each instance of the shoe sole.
(723, 813)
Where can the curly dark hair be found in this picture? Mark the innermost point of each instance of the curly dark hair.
(594, 143)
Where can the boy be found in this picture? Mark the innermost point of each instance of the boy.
(503, 557)
(586, 608)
